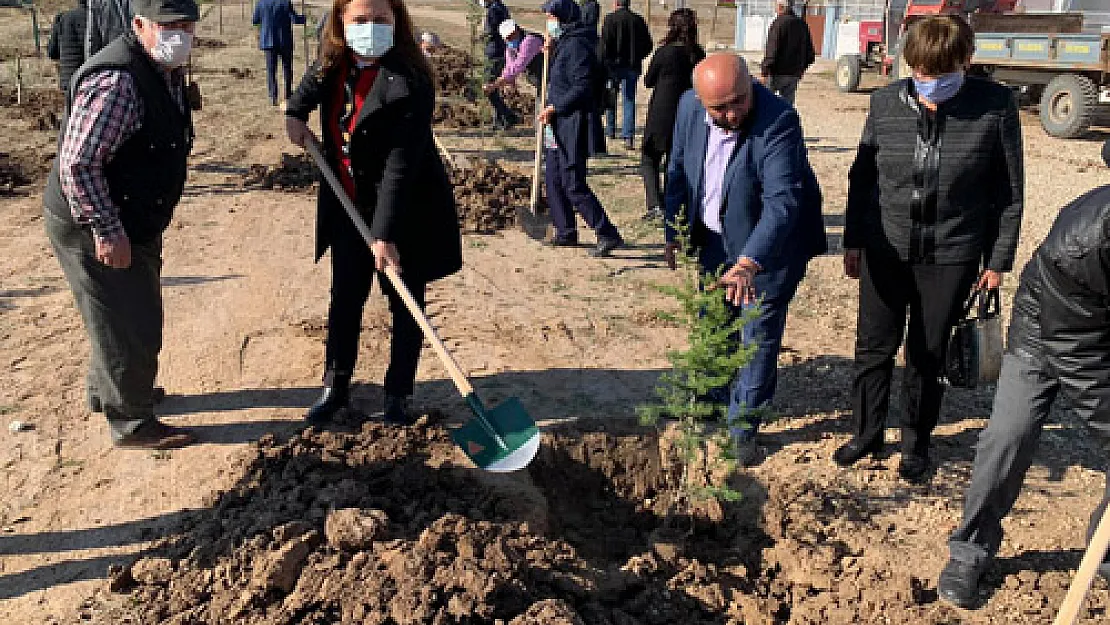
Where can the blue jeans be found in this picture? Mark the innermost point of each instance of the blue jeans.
(754, 386)
(627, 79)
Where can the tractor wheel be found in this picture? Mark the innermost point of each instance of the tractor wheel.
(848, 71)
(1067, 105)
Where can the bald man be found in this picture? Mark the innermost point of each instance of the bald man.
(739, 176)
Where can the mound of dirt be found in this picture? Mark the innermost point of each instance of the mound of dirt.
(488, 195)
(455, 115)
(19, 169)
(42, 107)
(453, 71)
(386, 525)
(294, 173)
(523, 102)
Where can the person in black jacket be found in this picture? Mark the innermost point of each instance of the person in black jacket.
(591, 15)
(373, 88)
(670, 74)
(67, 42)
(625, 43)
(789, 52)
(570, 105)
(1058, 343)
(936, 189)
(496, 12)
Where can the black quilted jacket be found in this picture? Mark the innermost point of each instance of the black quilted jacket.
(944, 189)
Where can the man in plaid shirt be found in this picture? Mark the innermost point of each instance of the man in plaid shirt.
(119, 174)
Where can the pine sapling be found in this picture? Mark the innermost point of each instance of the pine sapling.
(711, 360)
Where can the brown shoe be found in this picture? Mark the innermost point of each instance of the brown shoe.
(153, 434)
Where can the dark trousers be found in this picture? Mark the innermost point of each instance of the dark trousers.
(785, 87)
(501, 111)
(272, 57)
(754, 387)
(568, 190)
(122, 313)
(1026, 392)
(651, 163)
(352, 267)
(933, 295)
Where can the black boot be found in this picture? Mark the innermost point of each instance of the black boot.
(959, 584)
(336, 395)
(398, 410)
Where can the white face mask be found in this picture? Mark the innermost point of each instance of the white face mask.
(172, 47)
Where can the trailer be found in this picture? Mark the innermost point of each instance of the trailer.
(1045, 57)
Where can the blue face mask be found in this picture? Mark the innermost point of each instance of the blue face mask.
(554, 28)
(369, 40)
(513, 43)
(940, 89)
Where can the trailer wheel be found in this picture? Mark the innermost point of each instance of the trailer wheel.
(1067, 105)
(848, 71)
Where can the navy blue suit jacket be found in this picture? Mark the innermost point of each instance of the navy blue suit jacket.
(771, 207)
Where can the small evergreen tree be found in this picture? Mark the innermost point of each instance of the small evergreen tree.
(713, 356)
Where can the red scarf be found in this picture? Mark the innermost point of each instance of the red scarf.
(351, 89)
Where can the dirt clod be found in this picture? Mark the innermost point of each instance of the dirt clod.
(352, 529)
(294, 173)
(488, 195)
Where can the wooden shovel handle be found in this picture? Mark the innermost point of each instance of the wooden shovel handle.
(534, 202)
(453, 369)
(443, 150)
(1092, 558)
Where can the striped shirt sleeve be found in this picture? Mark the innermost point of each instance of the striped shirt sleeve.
(104, 114)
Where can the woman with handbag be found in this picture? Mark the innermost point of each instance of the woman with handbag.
(373, 88)
(936, 189)
(669, 75)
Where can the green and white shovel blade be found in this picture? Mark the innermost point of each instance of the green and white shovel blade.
(506, 442)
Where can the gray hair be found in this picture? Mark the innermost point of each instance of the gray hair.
(786, 4)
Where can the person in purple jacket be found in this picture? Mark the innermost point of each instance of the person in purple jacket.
(275, 19)
(523, 55)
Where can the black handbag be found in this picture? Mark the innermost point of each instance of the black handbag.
(974, 353)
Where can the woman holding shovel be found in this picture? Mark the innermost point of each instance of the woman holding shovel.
(373, 88)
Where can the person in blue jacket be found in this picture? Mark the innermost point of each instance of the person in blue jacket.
(570, 113)
(275, 19)
(738, 176)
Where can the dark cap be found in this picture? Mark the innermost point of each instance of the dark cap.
(165, 11)
(566, 10)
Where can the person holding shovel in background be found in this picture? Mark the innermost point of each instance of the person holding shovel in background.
(523, 55)
(275, 19)
(120, 171)
(67, 42)
(496, 12)
(570, 105)
(374, 91)
(1058, 343)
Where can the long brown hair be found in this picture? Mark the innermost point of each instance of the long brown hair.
(404, 47)
(682, 28)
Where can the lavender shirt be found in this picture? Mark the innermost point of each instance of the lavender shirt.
(718, 152)
(516, 61)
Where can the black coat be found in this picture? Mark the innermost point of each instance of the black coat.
(669, 75)
(571, 77)
(1062, 305)
(789, 47)
(625, 41)
(947, 191)
(496, 12)
(401, 184)
(67, 42)
(591, 15)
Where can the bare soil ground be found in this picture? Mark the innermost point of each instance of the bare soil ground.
(266, 522)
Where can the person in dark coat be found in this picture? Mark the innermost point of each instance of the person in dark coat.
(373, 89)
(936, 189)
(275, 19)
(496, 12)
(1058, 344)
(625, 43)
(107, 20)
(669, 75)
(67, 42)
(789, 52)
(591, 15)
(570, 104)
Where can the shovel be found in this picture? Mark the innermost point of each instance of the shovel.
(501, 439)
(1088, 567)
(534, 224)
